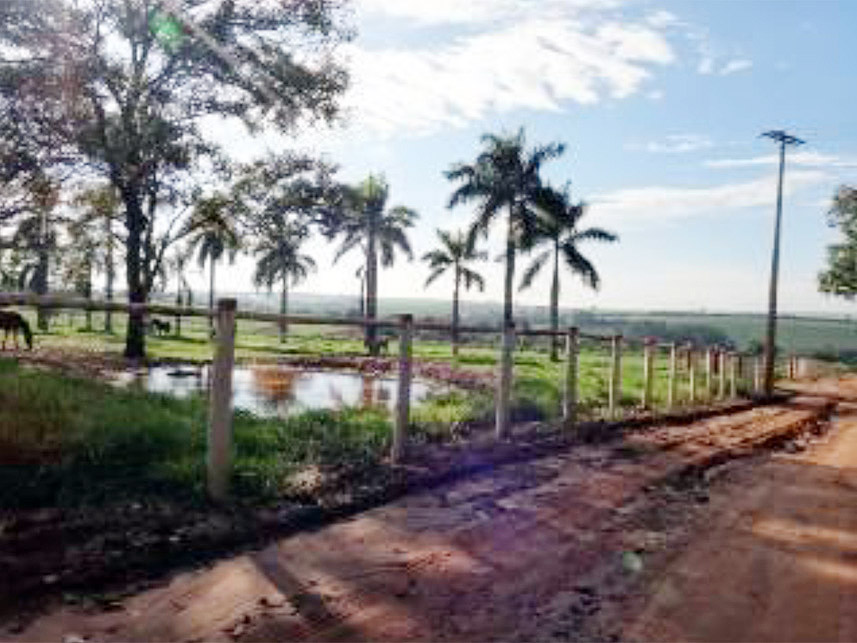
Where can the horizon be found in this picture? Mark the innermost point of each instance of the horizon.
(661, 105)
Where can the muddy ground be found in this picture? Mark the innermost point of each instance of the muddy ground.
(624, 493)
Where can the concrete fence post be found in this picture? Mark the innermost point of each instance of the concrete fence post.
(648, 372)
(709, 371)
(671, 384)
(219, 463)
(403, 400)
(569, 401)
(733, 375)
(721, 374)
(757, 374)
(691, 374)
(504, 384)
(615, 387)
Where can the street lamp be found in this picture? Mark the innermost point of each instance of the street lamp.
(783, 139)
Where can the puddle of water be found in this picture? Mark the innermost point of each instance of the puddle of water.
(272, 391)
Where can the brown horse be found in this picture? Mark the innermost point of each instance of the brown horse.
(12, 323)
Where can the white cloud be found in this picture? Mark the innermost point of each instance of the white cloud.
(734, 66)
(677, 143)
(435, 12)
(806, 159)
(536, 64)
(669, 203)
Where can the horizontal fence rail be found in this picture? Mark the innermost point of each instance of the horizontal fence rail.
(694, 374)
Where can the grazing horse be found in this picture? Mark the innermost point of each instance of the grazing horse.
(383, 344)
(13, 322)
(160, 327)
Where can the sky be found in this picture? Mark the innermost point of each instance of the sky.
(661, 105)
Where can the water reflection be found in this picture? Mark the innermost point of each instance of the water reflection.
(279, 391)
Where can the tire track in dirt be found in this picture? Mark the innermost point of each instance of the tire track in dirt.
(526, 550)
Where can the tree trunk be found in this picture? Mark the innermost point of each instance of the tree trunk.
(178, 318)
(362, 296)
(555, 304)
(508, 311)
(110, 269)
(88, 293)
(372, 287)
(41, 286)
(455, 310)
(284, 308)
(135, 338)
(211, 293)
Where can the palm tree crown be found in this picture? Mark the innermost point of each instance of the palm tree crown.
(364, 214)
(505, 176)
(279, 256)
(455, 252)
(559, 229)
(365, 222)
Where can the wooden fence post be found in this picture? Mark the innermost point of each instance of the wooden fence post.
(403, 401)
(569, 402)
(691, 374)
(671, 384)
(615, 389)
(504, 385)
(219, 465)
(648, 372)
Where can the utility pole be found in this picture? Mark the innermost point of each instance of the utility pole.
(783, 139)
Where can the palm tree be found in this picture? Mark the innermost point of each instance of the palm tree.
(280, 260)
(559, 229)
(505, 175)
(101, 206)
(455, 251)
(214, 235)
(184, 294)
(365, 222)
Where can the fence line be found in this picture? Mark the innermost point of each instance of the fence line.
(725, 364)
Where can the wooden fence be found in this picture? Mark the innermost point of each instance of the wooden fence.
(717, 380)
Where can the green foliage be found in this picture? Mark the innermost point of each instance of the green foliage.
(69, 441)
(505, 176)
(840, 278)
(121, 88)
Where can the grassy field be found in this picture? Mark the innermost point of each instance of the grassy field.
(66, 440)
(537, 386)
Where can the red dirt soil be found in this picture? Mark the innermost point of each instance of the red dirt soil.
(563, 547)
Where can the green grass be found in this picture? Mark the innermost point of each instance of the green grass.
(537, 390)
(66, 441)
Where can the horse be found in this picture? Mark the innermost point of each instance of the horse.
(12, 323)
(383, 344)
(160, 327)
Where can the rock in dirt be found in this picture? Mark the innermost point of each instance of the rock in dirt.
(273, 600)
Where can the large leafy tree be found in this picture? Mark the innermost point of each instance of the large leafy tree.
(214, 236)
(280, 260)
(455, 252)
(505, 179)
(122, 89)
(36, 234)
(560, 231)
(365, 222)
(277, 200)
(840, 277)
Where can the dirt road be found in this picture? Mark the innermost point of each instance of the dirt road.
(547, 549)
(778, 558)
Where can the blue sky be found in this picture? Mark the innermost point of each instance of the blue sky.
(661, 105)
